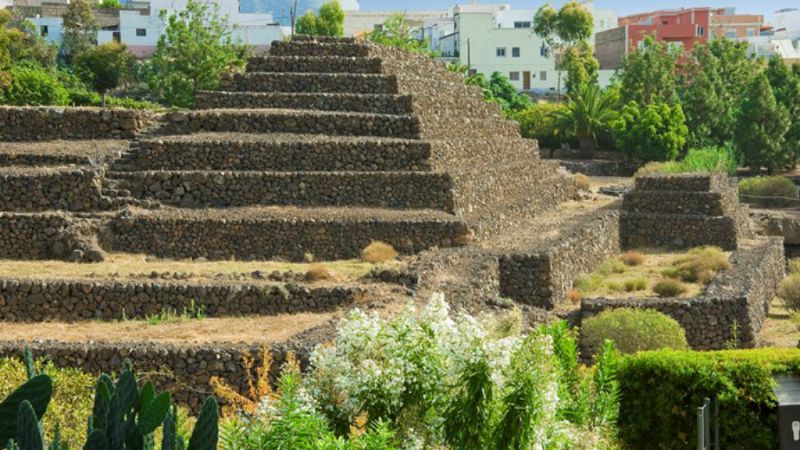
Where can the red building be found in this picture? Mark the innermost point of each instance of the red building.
(682, 26)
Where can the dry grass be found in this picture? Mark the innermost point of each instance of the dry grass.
(637, 273)
(582, 182)
(574, 296)
(789, 292)
(669, 288)
(320, 272)
(632, 258)
(265, 329)
(780, 327)
(128, 266)
(378, 252)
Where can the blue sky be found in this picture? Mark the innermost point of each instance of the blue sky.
(621, 7)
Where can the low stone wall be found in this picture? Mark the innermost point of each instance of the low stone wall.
(421, 190)
(30, 300)
(676, 202)
(297, 121)
(42, 189)
(47, 236)
(310, 48)
(686, 182)
(38, 123)
(185, 370)
(318, 64)
(542, 276)
(240, 152)
(286, 238)
(678, 231)
(733, 308)
(365, 103)
(355, 83)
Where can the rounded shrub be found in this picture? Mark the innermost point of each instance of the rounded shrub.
(34, 86)
(633, 330)
(669, 288)
(378, 252)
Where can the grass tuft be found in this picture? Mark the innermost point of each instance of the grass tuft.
(632, 258)
(582, 182)
(168, 315)
(700, 265)
(669, 288)
(319, 272)
(378, 252)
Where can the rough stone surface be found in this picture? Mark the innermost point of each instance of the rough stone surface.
(59, 188)
(35, 123)
(322, 101)
(354, 83)
(733, 307)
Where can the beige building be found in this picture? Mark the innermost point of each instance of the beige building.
(359, 22)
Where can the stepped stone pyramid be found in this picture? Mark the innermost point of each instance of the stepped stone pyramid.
(319, 148)
(683, 211)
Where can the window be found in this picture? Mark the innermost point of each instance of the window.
(730, 33)
(544, 51)
(751, 32)
(700, 30)
(473, 72)
(44, 30)
(141, 32)
(522, 24)
(543, 75)
(116, 36)
(513, 76)
(501, 52)
(515, 52)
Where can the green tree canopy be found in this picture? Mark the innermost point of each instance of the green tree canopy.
(648, 73)
(588, 114)
(194, 51)
(565, 29)
(80, 28)
(306, 24)
(329, 21)
(396, 32)
(501, 90)
(105, 66)
(581, 66)
(31, 85)
(761, 127)
(653, 132)
(785, 85)
(110, 4)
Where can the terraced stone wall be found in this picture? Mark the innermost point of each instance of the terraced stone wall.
(28, 300)
(43, 189)
(38, 123)
(542, 276)
(253, 239)
(46, 236)
(733, 307)
(185, 370)
(365, 103)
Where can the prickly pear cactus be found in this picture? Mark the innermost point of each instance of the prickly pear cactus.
(36, 392)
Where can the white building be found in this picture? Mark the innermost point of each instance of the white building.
(362, 22)
(140, 29)
(492, 38)
(783, 40)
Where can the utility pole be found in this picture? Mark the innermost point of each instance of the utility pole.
(469, 57)
(293, 15)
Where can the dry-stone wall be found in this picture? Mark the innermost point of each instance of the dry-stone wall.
(30, 300)
(46, 236)
(733, 306)
(364, 103)
(541, 276)
(35, 123)
(683, 211)
(43, 189)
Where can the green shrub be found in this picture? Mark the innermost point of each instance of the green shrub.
(635, 284)
(131, 103)
(34, 86)
(789, 292)
(710, 159)
(770, 186)
(632, 330)
(656, 132)
(669, 288)
(71, 403)
(537, 122)
(661, 391)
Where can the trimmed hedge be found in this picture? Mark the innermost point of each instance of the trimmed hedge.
(661, 390)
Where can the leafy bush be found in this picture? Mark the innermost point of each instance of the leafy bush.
(789, 292)
(660, 392)
(669, 288)
(537, 122)
(71, 403)
(710, 159)
(633, 330)
(131, 103)
(769, 186)
(378, 252)
(31, 85)
(656, 132)
(632, 258)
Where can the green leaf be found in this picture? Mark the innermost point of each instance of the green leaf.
(29, 437)
(206, 430)
(170, 432)
(37, 391)
(153, 414)
(98, 440)
(146, 396)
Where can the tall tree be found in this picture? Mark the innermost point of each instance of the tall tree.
(581, 66)
(761, 127)
(329, 21)
(194, 51)
(306, 24)
(648, 73)
(653, 132)
(396, 32)
(105, 66)
(589, 112)
(785, 85)
(80, 28)
(563, 29)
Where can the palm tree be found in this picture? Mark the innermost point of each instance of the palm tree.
(588, 112)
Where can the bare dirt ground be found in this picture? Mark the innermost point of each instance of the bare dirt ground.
(779, 330)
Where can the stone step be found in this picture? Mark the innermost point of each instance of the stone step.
(60, 152)
(52, 298)
(647, 230)
(318, 64)
(345, 102)
(294, 121)
(686, 182)
(202, 189)
(676, 202)
(355, 83)
(277, 152)
(258, 233)
(318, 48)
(69, 188)
(313, 38)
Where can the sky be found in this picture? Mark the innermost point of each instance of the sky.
(621, 7)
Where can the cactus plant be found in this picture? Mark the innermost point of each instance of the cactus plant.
(29, 435)
(36, 392)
